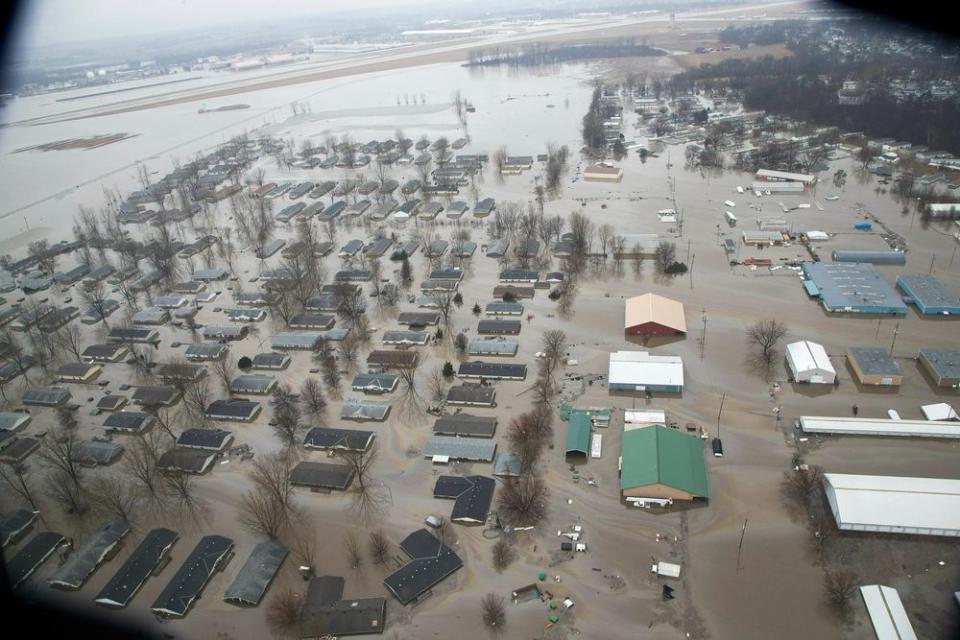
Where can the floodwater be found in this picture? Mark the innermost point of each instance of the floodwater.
(43, 189)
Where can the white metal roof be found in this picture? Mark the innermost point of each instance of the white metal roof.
(880, 427)
(634, 419)
(784, 175)
(809, 356)
(939, 411)
(641, 368)
(921, 506)
(886, 612)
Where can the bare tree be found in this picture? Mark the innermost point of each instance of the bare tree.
(765, 334)
(116, 498)
(494, 611)
(286, 416)
(60, 451)
(17, 478)
(664, 255)
(96, 296)
(500, 159)
(839, 585)
(437, 385)
(368, 498)
(443, 301)
(182, 489)
(503, 554)
(412, 404)
(262, 514)
(140, 466)
(283, 613)
(351, 545)
(313, 399)
(224, 371)
(554, 347)
(527, 439)
(379, 547)
(523, 501)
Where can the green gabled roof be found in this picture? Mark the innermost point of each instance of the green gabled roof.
(578, 433)
(659, 455)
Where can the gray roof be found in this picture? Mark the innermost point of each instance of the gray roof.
(15, 524)
(406, 337)
(312, 321)
(504, 308)
(270, 361)
(375, 382)
(507, 464)
(344, 439)
(464, 424)
(929, 291)
(364, 410)
(84, 561)
(32, 555)
(233, 409)
(471, 394)
(192, 576)
(305, 340)
(854, 286)
(128, 421)
(499, 326)
(186, 460)
(257, 574)
(13, 420)
(324, 475)
(209, 439)
(492, 348)
(137, 568)
(94, 453)
(498, 248)
(476, 449)
(325, 614)
(875, 361)
(252, 383)
(164, 394)
(224, 331)
(946, 362)
(151, 315)
(46, 396)
(431, 561)
(493, 370)
(104, 351)
(206, 351)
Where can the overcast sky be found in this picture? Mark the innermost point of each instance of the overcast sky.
(53, 21)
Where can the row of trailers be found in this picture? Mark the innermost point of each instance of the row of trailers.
(210, 556)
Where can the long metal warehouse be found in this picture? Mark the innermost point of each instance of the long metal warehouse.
(880, 427)
(892, 504)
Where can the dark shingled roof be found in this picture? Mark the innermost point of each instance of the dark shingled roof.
(430, 562)
(31, 556)
(493, 370)
(12, 526)
(85, 560)
(186, 460)
(193, 575)
(473, 495)
(128, 421)
(257, 574)
(128, 579)
(209, 439)
(464, 424)
(233, 409)
(325, 613)
(472, 394)
(341, 439)
(323, 475)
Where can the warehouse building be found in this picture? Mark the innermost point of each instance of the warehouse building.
(892, 504)
(851, 287)
(659, 462)
(856, 426)
(809, 362)
(929, 295)
(141, 564)
(641, 371)
(943, 365)
(653, 315)
(873, 257)
(365, 410)
(578, 435)
(208, 557)
(874, 366)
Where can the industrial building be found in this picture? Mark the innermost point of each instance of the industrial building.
(659, 462)
(641, 371)
(943, 365)
(194, 461)
(873, 257)
(880, 427)
(929, 295)
(851, 287)
(892, 504)
(768, 175)
(874, 366)
(654, 315)
(809, 362)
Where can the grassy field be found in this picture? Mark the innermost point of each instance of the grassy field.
(692, 60)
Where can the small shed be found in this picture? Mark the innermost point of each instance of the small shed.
(809, 362)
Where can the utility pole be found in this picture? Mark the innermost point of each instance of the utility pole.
(954, 254)
(743, 532)
(879, 320)
(896, 330)
(703, 332)
(932, 258)
(691, 270)
(688, 250)
(719, 413)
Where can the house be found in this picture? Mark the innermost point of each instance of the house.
(254, 578)
(942, 365)
(253, 383)
(33, 554)
(204, 439)
(809, 362)
(364, 410)
(14, 526)
(382, 360)
(476, 395)
(498, 248)
(234, 409)
(194, 461)
(46, 397)
(503, 309)
(171, 301)
(16, 367)
(322, 475)
(133, 335)
(664, 463)
(484, 207)
(653, 315)
(206, 352)
(603, 172)
(442, 449)
(208, 557)
(472, 496)
(270, 361)
(225, 332)
(99, 547)
(874, 366)
(641, 371)
(91, 453)
(407, 338)
(80, 372)
(873, 257)
(375, 382)
(180, 372)
(492, 370)
(128, 422)
(517, 293)
(246, 315)
(496, 347)
(329, 439)
(140, 565)
(325, 614)
(431, 561)
(296, 341)
(499, 327)
(507, 465)
(151, 315)
(13, 421)
(157, 396)
(14, 449)
(465, 425)
(418, 318)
